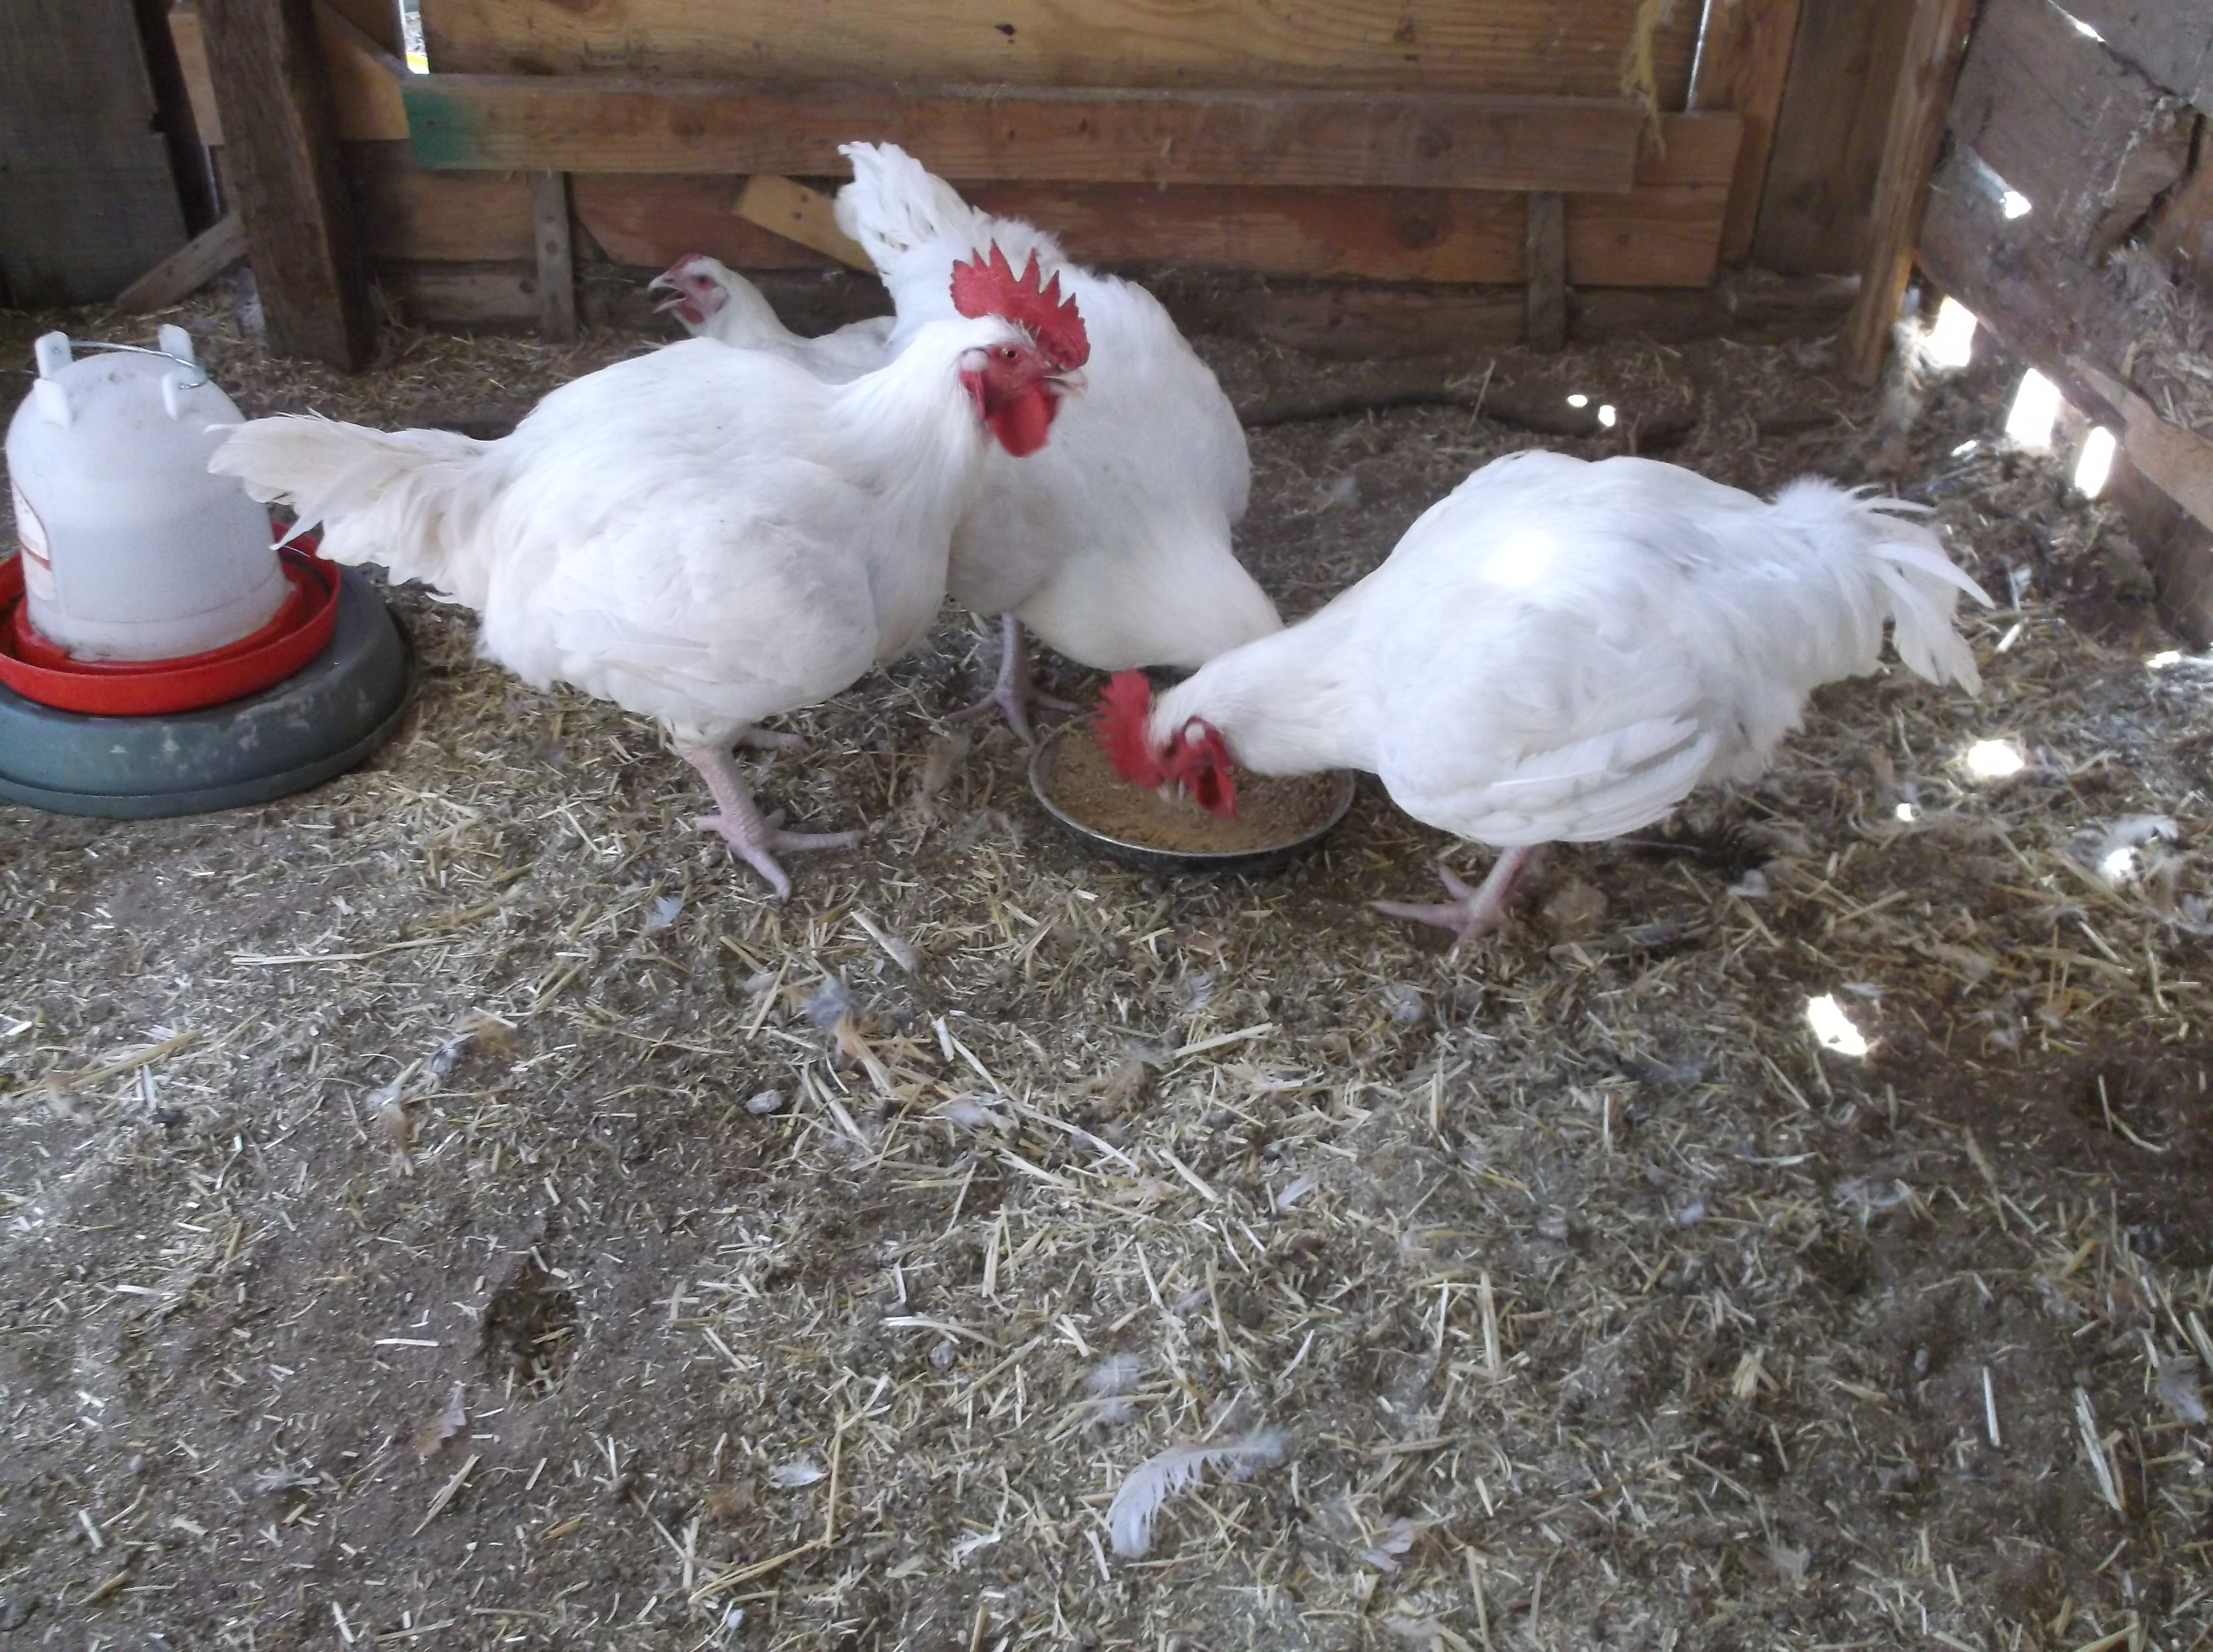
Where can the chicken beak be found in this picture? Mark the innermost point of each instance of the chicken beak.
(662, 283)
(1070, 383)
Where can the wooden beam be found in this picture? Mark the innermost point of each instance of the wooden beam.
(557, 257)
(282, 159)
(1743, 65)
(798, 213)
(1547, 273)
(2170, 41)
(2086, 139)
(649, 222)
(1534, 47)
(587, 124)
(1933, 47)
(1829, 137)
(364, 76)
(188, 269)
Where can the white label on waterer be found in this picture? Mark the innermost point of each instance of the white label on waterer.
(38, 564)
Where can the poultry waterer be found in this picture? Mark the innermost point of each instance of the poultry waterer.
(158, 655)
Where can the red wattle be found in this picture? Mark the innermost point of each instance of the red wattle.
(1023, 424)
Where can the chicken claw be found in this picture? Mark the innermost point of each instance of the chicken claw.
(1016, 691)
(1474, 910)
(754, 839)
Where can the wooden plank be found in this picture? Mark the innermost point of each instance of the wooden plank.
(1536, 47)
(2170, 41)
(281, 157)
(2178, 462)
(88, 199)
(556, 261)
(1666, 232)
(188, 269)
(1546, 272)
(364, 76)
(1916, 127)
(1048, 135)
(1661, 234)
(649, 223)
(2073, 321)
(406, 213)
(798, 213)
(1829, 137)
(185, 35)
(2087, 140)
(376, 21)
(1743, 65)
(466, 297)
(1386, 234)
(364, 79)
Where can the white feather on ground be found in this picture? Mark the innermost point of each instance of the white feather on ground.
(1153, 1482)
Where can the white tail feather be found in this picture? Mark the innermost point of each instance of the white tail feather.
(1153, 1482)
(386, 496)
(895, 206)
(1921, 584)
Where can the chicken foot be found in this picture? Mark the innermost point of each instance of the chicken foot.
(753, 836)
(1474, 910)
(1015, 693)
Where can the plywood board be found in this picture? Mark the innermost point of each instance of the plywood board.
(1539, 47)
(88, 201)
(580, 124)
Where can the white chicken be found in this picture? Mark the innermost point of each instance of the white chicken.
(1113, 545)
(1560, 651)
(714, 301)
(703, 535)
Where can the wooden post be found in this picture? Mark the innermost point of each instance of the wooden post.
(1547, 270)
(1744, 63)
(281, 156)
(557, 261)
(1933, 45)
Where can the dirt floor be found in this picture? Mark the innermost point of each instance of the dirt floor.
(455, 1209)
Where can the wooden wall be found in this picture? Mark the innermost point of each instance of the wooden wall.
(1398, 142)
(88, 193)
(2073, 212)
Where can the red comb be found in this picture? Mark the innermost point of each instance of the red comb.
(987, 285)
(1124, 708)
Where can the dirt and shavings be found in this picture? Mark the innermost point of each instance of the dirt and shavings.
(455, 1208)
(1272, 810)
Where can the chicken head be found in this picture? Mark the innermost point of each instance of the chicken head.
(694, 293)
(1017, 386)
(1193, 760)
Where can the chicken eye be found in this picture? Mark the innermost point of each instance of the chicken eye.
(1006, 352)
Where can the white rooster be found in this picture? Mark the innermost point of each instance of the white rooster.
(1113, 545)
(714, 301)
(703, 535)
(1559, 652)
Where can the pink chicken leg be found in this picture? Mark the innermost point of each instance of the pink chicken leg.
(753, 836)
(1016, 692)
(1472, 910)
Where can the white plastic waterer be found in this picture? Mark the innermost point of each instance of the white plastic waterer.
(132, 550)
